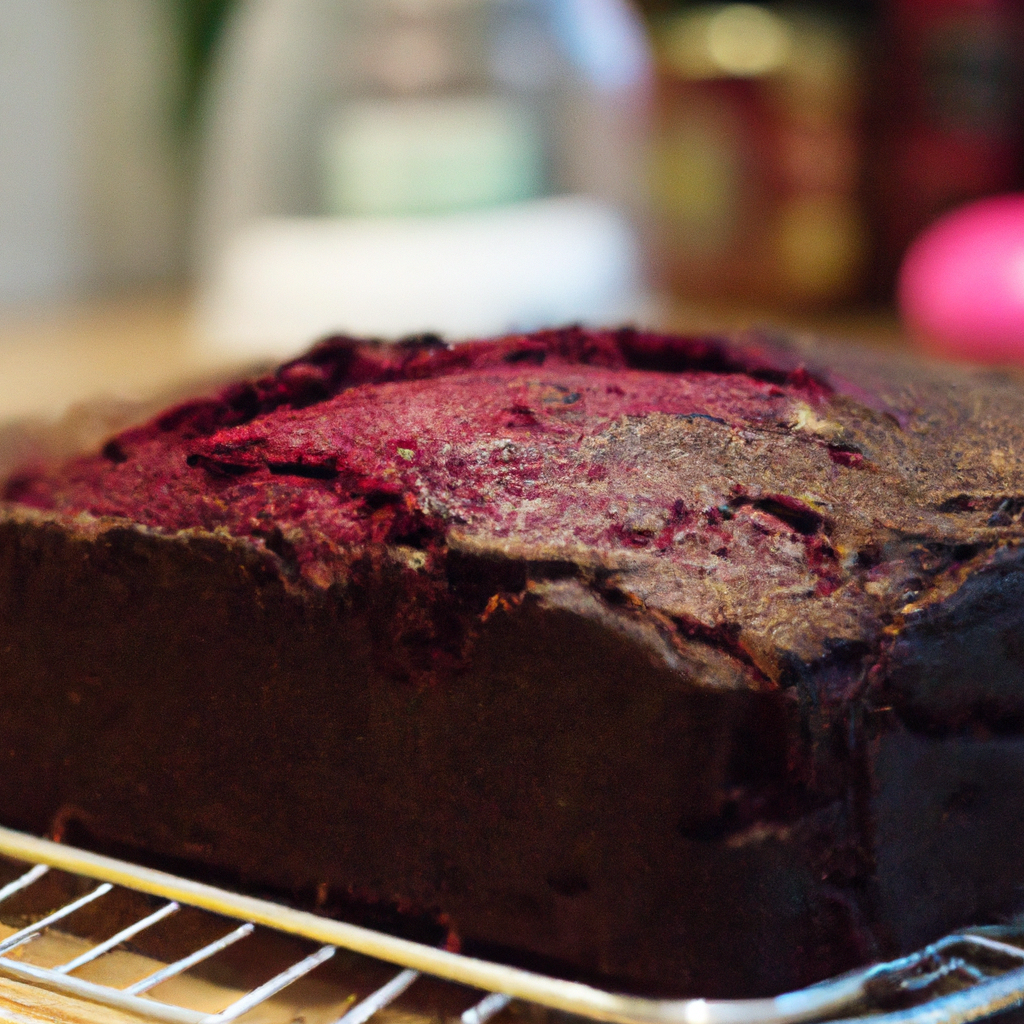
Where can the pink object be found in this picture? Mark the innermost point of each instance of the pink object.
(961, 286)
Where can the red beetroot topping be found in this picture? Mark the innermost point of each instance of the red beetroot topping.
(361, 443)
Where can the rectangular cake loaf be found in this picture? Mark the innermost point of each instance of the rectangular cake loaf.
(686, 665)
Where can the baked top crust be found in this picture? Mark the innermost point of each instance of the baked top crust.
(741, 491)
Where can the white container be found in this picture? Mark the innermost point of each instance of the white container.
(388, 167)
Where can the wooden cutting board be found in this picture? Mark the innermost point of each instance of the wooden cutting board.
(27, 1004)
(311, 1000)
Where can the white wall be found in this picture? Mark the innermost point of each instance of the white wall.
(41, 230)
(90, 195)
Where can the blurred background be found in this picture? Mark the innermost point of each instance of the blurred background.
(188, 185)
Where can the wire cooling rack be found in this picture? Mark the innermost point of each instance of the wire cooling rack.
(55, 892)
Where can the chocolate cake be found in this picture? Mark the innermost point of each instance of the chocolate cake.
(692, 666)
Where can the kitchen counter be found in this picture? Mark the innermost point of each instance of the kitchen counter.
(143, 348)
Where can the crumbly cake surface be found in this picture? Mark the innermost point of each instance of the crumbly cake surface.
(729, 491)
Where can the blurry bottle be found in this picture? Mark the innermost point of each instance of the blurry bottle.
(394, 166)
(948, 114)
(757, 157)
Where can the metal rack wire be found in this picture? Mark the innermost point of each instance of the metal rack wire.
(963, 977)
